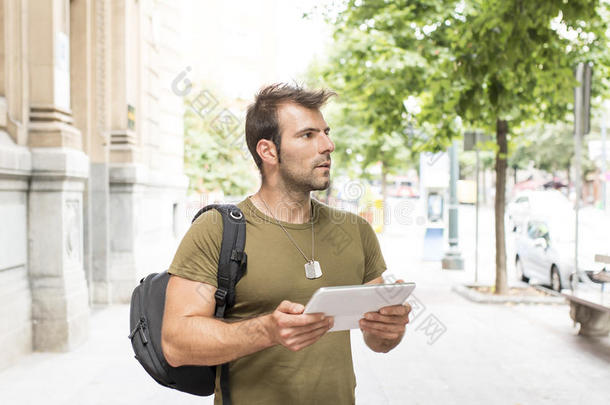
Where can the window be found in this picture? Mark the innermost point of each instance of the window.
(521, 200)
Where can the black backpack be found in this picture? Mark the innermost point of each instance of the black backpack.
(148, 304)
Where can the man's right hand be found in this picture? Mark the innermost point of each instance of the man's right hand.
(288, 326)
(192, 336)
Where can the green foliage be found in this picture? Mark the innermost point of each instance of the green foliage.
(466, 63)
(474, 61)
(550, 147)
(491, 65)
(214, 156)
(467, 162)
(368, 118)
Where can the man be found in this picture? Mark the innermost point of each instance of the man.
(295, 244)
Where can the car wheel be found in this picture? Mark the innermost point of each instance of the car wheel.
(555, 279)
(520, 270)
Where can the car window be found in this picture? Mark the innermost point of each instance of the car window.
(521, 200)
(543, 231)
(538, 229)
(531, 230)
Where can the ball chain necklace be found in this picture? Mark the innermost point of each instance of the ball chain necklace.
(312, 266)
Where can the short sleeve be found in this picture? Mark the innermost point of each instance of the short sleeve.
(198, 253)
(374, 264)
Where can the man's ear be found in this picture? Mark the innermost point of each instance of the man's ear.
(267, 151)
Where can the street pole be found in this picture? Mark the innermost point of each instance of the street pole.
(577, 147)
(476, 231)
(604, 189)
(453, 258)
(582, 126)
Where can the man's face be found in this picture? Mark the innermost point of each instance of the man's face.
(305, 148)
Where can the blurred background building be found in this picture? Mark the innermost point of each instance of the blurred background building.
(91, 161)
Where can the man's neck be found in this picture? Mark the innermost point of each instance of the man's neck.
(286, 206)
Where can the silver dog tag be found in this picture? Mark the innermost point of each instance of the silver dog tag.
(313, 270)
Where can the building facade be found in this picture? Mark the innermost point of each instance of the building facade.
(92, 187)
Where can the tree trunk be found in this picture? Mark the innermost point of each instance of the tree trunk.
(384, 191)
(500, 202)
(484, 186)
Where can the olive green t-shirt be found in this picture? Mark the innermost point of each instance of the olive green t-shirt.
(348, 252)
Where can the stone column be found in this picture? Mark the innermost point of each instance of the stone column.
(14, 102)
(60, 311)
(90, 68)
(125, 173)
(146, 148)
(15, 169)
(125, 77)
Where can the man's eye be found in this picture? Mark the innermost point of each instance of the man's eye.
(307, 134)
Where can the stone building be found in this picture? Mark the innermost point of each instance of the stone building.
(91, 161)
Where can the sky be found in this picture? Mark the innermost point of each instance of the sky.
(234, 47)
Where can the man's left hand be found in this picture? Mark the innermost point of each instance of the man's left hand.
(387, 324)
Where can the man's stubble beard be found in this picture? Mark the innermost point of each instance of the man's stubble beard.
(295, 181)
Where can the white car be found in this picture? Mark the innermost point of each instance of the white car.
(545, 246)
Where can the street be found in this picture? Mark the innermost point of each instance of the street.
(454, 351)
(500, 354)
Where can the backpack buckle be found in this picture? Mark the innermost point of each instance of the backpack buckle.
(221, 303)
(237, 256)
(221, 296)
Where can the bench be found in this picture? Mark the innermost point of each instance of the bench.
(590, 302)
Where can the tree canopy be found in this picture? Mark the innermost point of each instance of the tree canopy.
(432, 68)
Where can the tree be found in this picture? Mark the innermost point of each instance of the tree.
(492, 65)
(215, 157)
(549, 146)
(467, 162)
(369, 113)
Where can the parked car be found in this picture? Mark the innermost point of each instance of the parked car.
(402, 188)
(545, 248)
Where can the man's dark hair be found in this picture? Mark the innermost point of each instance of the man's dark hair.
(262, 118)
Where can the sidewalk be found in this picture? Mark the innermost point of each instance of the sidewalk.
(454, 352)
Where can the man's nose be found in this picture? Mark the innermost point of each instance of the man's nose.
(326, 145)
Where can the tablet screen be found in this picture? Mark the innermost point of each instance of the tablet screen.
(348, 304)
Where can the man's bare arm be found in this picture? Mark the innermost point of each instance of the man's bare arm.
(192, 336)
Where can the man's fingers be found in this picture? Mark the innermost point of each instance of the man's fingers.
(382, 334)
(306, 339)
(290, 314)
(377, 327)
(288, 307)
(396, 310)
(317, 332)
(305, 343)
(295, 321)
(387, 314)
(301, 330)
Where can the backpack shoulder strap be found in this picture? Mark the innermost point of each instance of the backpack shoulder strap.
(232, 261)
(231, 267)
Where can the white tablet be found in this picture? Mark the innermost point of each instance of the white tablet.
(347, 304)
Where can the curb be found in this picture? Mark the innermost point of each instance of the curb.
(467, 292)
